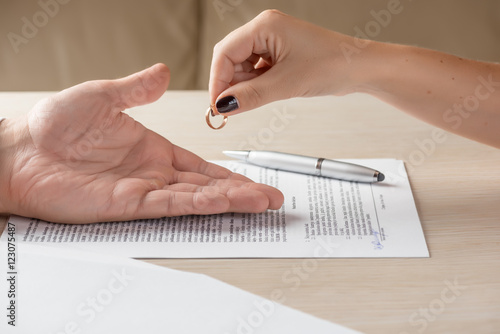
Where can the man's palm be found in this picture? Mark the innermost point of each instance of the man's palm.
(86, 161)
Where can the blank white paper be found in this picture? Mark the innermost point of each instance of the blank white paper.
(77, 292)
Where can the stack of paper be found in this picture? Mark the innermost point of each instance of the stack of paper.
(54, 291)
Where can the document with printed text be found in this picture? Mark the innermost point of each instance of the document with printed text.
(321, 217)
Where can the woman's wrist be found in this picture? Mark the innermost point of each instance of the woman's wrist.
(392, 72)
(370, 65)
(355, 65)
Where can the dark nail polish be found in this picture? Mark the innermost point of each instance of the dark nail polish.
(227, 104)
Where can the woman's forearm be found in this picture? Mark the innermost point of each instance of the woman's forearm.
(458, 95)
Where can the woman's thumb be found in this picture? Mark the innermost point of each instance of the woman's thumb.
(249, 94)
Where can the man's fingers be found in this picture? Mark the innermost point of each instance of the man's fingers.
(190, 163)
(198, 179)
(186, 161)
(161, 203)
(252, 197)
(192, 183)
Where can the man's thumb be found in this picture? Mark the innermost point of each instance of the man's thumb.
(143, 87)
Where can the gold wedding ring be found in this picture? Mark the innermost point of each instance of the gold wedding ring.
(210, 112)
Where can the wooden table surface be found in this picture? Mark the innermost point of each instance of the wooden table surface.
(456, 185)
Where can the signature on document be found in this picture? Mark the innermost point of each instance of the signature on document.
(377, 245)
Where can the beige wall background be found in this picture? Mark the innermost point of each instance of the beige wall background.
(54, 44)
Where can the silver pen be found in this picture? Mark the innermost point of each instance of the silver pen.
(309, 165)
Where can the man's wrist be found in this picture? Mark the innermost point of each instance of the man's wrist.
(3, 162)
(11, 138)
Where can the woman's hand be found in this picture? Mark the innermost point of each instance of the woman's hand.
(76, 158)
(275, 57)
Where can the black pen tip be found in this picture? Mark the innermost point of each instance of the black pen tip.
(380, 177)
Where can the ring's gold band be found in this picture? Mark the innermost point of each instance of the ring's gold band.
(211, 113)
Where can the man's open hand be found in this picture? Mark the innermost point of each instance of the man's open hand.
(77, 158)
